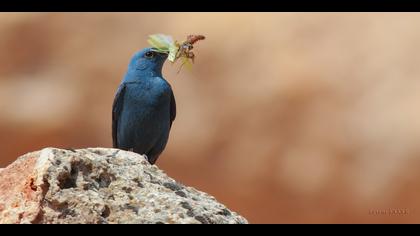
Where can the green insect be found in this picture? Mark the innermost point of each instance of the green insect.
(165, 43)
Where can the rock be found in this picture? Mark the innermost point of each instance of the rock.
(99, 185)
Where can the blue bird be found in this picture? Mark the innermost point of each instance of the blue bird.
(144, 106)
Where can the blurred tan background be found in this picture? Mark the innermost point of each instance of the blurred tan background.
(285, 117)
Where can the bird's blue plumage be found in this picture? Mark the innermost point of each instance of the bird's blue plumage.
(144, 106)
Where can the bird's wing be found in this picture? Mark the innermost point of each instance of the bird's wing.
(172, 108)
(116, 110)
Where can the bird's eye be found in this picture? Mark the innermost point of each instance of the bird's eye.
(150, 54)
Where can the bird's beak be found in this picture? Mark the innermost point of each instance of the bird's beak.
(160, 53)
(163, 54)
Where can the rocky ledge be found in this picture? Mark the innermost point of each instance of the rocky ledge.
(100, 186)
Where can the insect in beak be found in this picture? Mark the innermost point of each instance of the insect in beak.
(174, 50)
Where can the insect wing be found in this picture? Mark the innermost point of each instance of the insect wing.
(160, 41)
(166, 39)
(172, 53)
(186, 61)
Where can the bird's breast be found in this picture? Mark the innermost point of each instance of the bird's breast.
(153, 96)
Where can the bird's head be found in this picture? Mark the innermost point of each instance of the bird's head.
(148, 60)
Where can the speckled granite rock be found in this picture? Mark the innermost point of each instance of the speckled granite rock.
(98, 185)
